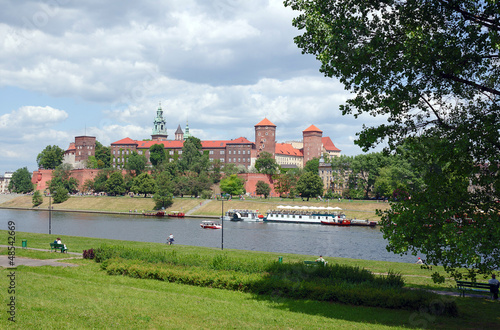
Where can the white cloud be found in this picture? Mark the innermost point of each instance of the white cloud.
(31, 117)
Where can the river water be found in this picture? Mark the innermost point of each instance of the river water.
(310, 239)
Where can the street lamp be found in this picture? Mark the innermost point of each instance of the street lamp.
(222, 223)
(50, 213)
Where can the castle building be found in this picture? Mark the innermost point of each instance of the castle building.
(79, 151)
(238, 151)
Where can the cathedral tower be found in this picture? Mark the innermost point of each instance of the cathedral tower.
(160, 127)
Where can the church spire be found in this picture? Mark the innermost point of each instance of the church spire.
(186, 133)
(159, 126)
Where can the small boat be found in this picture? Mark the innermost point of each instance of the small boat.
(176, 214)
(154, 214)
(243, 215)
(210, 225)
(359, 222)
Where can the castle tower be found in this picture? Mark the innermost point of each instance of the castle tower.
(312, 143)
(265, 137)
(179, 134)
(160, 127)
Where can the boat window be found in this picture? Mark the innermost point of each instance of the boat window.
(300, 217)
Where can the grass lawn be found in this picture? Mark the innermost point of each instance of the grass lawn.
(85, 297)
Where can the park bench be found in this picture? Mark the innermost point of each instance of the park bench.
(483, 288)
(55, 247)
(314, 262)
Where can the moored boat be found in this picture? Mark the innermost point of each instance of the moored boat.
(242, 215)
(176, 214)
(154, 214)
(300, 214)
(210, 225)
(359, 222)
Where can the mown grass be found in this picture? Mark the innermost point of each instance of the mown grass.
(85, 297)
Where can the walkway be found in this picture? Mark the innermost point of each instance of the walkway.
(4, 259)
(205, 202)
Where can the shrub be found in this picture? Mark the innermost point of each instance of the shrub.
(88, 254)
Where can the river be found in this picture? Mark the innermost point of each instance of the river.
(311, 239)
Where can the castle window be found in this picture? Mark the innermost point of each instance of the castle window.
(222, 152)
(229, 151)
(239, 152)
(211, 152)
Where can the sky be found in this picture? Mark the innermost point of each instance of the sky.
(100, 68)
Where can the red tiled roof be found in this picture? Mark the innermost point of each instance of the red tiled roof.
(125, 141)
(312, 128)
(240, 140)
(328, 144)
(71, 147)
(213, 144)
(287, 149)
(265, 122)
(170, 144)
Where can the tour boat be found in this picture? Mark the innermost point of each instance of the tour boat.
(301, 214)
(154, 214)
(210, 225)
(243, 215)
(176, 214)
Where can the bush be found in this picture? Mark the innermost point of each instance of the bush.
(88, 254)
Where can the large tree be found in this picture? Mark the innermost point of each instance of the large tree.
(115, 185)
(232, 185)
(136, 163)
(143, 184)
(266, 163)
(21, 181)
(61, 178)
(310, 185)
(157, 154)
(50, 157)
(192, 156)
(431, 68)
(163, 196)
(262, 188)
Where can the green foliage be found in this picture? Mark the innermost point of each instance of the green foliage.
(310, 185)
(115, 185)
(345, 284)
(157, 154)
(192, 157)
(60, 195)
(163, 196)
(262, 188)
(266, 163)
(435, 77)
(312, 166)
(102, 155)
(136, 163)
(61, 177)
(21, 181)
(50, 157)
(284, 183)
(143, 184)
(232, 185)
(37, 198)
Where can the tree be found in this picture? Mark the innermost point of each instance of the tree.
(310, 185)
(21, 181)
(60, 195)
(266, 163)
(143, 184)
(232, 185)
(50, 157)
(102, 155)
(191, 154)
(312, 166)
(37, 198)
(115, 185)
(157, 154)
(163, 196)
(262, 188)
(284, 183)
(341, 167)
(136, 163)
(61, 177)
(431, 68)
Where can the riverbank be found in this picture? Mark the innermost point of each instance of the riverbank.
(88, 297)
(195, 207)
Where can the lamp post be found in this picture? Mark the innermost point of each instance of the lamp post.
(222, 223)
(50, 214)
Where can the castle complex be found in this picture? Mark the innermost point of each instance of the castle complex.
(238, 151)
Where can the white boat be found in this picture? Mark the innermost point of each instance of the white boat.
(303, 214)
(242, 215)
(210, 225)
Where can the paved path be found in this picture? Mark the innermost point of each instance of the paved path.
(206, 201)
(4, 262)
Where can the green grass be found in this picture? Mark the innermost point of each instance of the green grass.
(85, 297)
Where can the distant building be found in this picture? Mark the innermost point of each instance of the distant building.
(4, 182)
(238, 151)
(79, 151)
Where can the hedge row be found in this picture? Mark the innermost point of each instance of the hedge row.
(273, 284)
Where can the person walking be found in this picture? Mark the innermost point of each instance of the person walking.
(494, 283)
